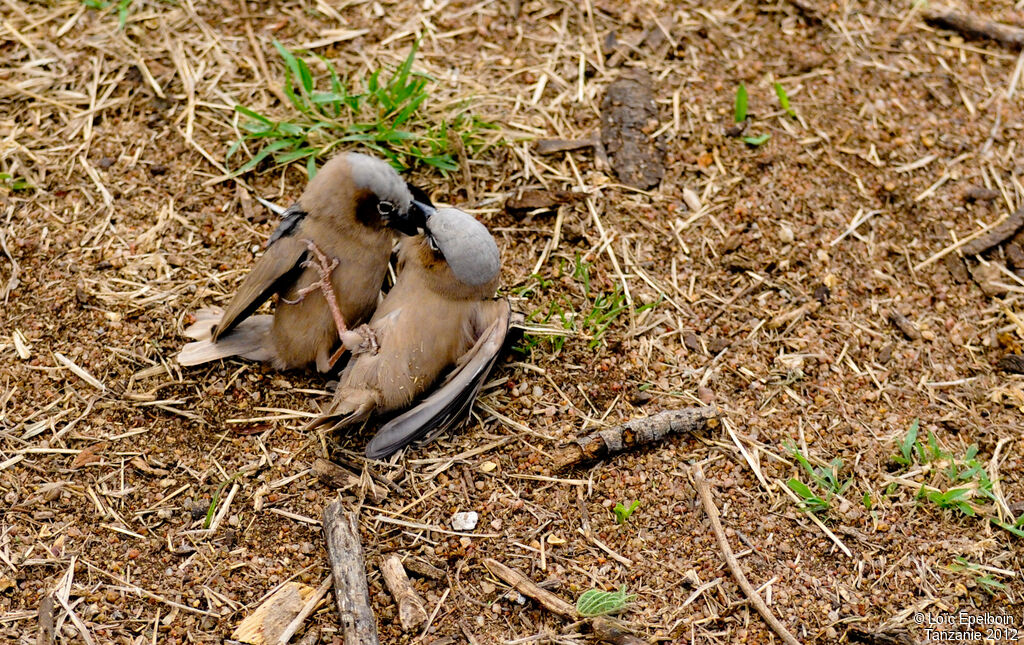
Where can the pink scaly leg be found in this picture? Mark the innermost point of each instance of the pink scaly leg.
(324, 266)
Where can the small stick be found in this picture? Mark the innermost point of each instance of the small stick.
(638, 432)
(411, 613)
(348, 567)
(550, 146)
(609, 631)
(973, 26)
(424, 569)
(304, 613)
(734, 566)
(527, 587)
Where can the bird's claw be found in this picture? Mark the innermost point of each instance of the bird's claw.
(360, 340)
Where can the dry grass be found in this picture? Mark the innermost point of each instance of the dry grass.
(147, 503)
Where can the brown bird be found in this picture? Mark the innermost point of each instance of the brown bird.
(440, 314)
(326, 261)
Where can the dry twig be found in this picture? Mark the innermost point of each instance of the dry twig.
(345, 552)
(632, 434)
(734, 566)
(411, 613)
(527, 587)
(973, 26)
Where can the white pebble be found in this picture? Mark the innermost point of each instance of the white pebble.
(465, 521)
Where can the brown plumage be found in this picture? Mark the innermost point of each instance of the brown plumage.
(440, 314)
(346, 213)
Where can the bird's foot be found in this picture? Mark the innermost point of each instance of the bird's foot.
(360, 340)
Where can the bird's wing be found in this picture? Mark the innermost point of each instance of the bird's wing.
(279, 266)
(447, 405)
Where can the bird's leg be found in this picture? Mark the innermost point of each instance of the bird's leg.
(324, 266)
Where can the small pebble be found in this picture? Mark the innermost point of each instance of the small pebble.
(465, 521)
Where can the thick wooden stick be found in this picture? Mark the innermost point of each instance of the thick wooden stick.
(734, 565)
(345, 552)
(973, 26)
(632, 434)
(411, 613)
(527, 587)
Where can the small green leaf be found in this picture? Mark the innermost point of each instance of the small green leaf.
(756, 141)
(784, 99)
(595, 602)
(623, 512)
(799, 488)
(741, 103)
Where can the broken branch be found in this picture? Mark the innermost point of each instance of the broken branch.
(527, 587)
(973, 26)
(348, 567)
(411, 613)
(632, 434)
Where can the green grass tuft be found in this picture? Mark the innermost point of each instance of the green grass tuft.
(385, 115)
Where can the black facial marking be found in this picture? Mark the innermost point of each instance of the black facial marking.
(368, 211)
(419, 194)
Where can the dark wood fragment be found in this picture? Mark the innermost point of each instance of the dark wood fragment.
(608, 631)
(632, 434)
(628, 117)
(345, 552)
(1012, 363)
(980, 194)
(811, 13)
(334, 476)
(1015, 256)
(902, 323)
(45, 636)
(997, 235)
(955, 265)
(973, 26)
(885, 354)
(424, 569)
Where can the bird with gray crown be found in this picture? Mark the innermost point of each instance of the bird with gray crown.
(326, 262)
(440, 315)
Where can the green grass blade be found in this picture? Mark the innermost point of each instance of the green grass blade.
(740, 111)
(783, 99)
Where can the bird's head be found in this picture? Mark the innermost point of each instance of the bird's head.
(383, 196)
(465, 245)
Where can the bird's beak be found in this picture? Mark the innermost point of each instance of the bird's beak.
(416, 221)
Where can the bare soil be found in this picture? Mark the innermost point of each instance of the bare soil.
(769, 304)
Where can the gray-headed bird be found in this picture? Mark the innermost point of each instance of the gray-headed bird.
(440, 315)
(326, 261)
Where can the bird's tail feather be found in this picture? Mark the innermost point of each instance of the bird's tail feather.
(249, 340)
(353, 407)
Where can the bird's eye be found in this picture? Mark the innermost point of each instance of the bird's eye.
(385, 208)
